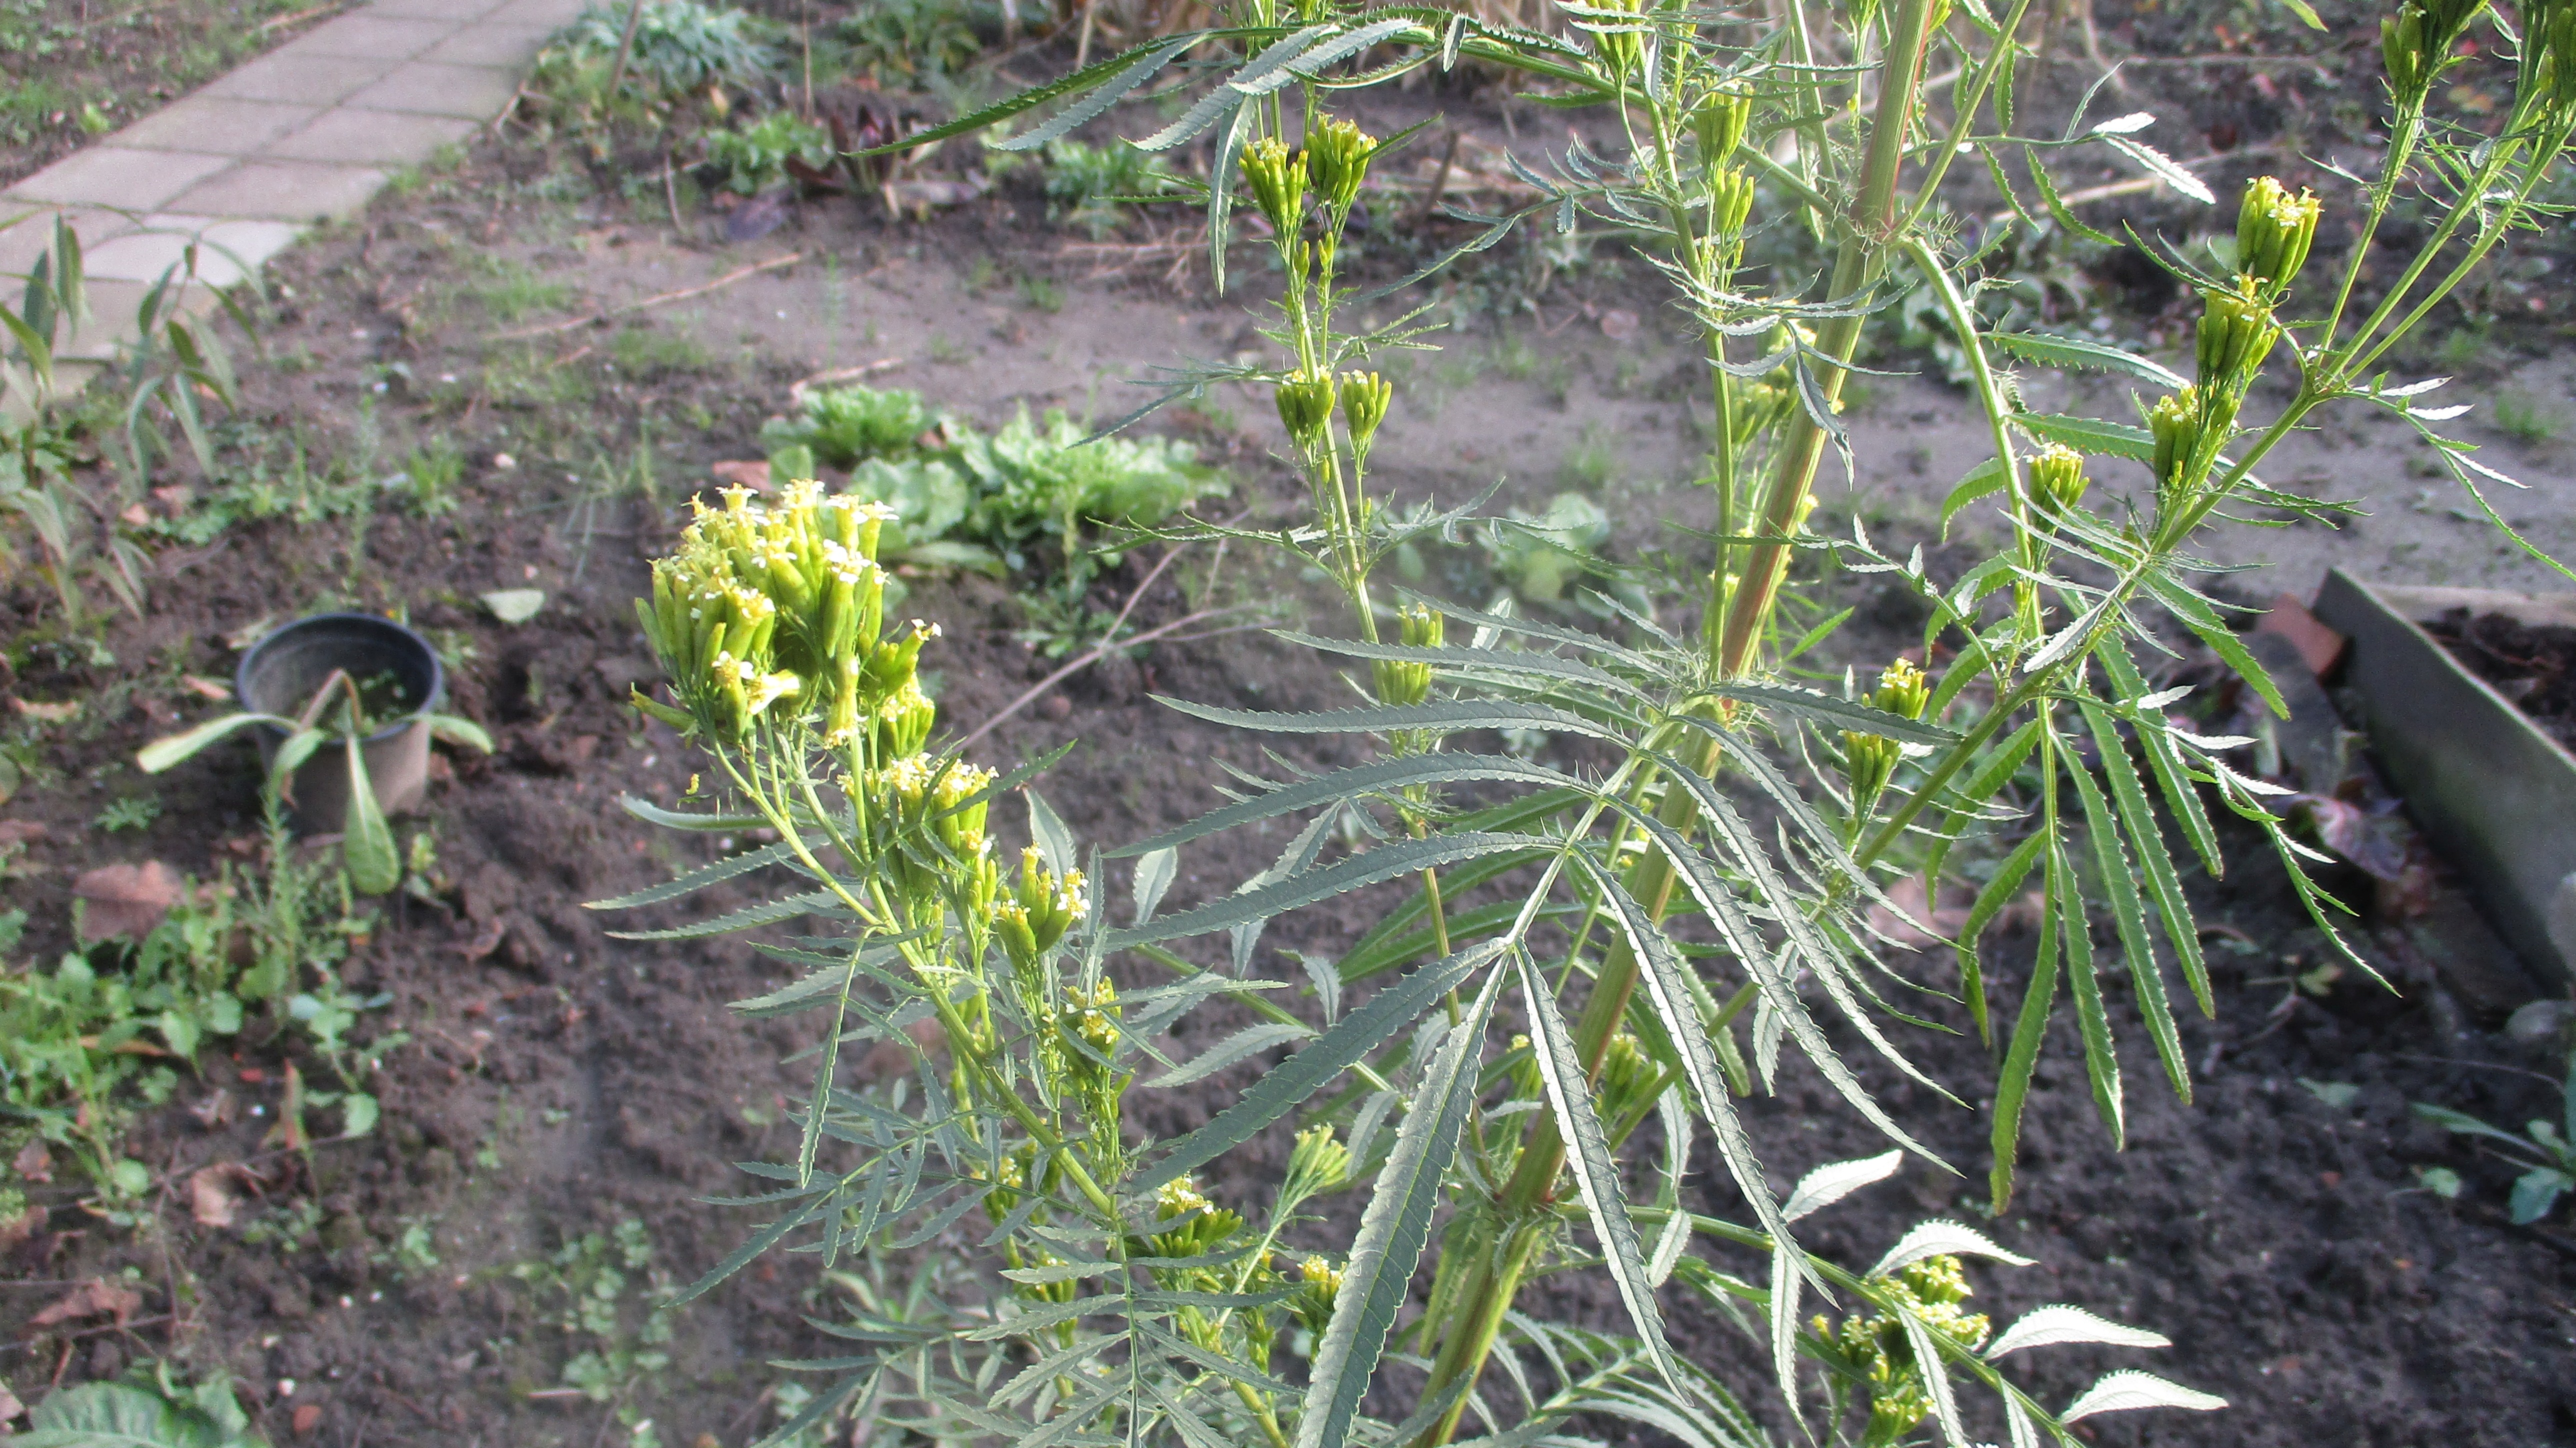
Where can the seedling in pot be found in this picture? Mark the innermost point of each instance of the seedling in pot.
(350, 710)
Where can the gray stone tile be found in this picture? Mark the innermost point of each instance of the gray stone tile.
(471, 91)
(370, 138)
(313, 80)
(116, 177)
(508, 47)
(25, 240)
(299, 191)
(457, 10)
(544, 14)
(214, 125)
(394, 37)
(228, 250)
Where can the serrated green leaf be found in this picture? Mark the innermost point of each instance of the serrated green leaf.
(1991, 902)
(2164, 883)
(2181, 796)
(2089, 434)
(1447, 717)
(2129, 915)
(2079, 354)
(784, 852)
(2065, 900)
(1386, 862)
(653, 814)
(750, 917)
(1280, 1090)
(1596, 1173)
(1837, 711)
(1469, 660)
(1251, 1040)
(1381, 776)
(1393, 1230)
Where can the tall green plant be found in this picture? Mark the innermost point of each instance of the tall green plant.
(1662, 949)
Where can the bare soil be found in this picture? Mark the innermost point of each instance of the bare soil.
(2528, 663)
(560, 1082)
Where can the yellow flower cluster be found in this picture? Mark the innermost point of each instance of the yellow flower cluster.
(764, 607)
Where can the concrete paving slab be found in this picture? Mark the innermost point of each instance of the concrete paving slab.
(69, 377)
(113, 176)
(313, 80)
(370, 138)
(544, 14)
(508, 47)
(299, 191)
(23, 242)
(228, 250)
(458, 10)
(360, 33)
(215, 125)
(475, 92)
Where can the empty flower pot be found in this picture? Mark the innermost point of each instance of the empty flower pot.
(281, 674)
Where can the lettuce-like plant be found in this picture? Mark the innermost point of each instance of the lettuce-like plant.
(1663, 950)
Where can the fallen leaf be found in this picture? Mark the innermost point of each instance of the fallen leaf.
(47, 713)
(94, 1298)
(34, 1162)
(250, 633)
(1618, 324)
(308, 1416)
(19, 832)
(205, 688)
(753, 474)
(10, 1408)
(14, 1233)
(216, 1111)
(212, 1199)
(485, 941)
(515, 605)
(136, 514)
(125, 900)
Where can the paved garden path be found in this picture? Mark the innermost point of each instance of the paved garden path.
(300, 136)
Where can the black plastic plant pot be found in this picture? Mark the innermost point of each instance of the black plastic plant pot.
(2494, 792)
(281, 674)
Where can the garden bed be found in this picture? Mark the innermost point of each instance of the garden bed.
(422, 1284)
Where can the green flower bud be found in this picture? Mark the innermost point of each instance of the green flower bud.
(1719, 126)
(2401, 51)
(1879, 1352)
(904, 721)
(1365, 399)
(1278, 183)
(2273, 233)
(1730, 202)
(1306, 408)
(2175, 421)
(1319, 1287)
(1040, 909)
(1620, 47)
(1401, 681)
(1869, 762)
(2057, 480)
(2236, 334)
(1903, 688)
(1316, 1164)
(1337, 158)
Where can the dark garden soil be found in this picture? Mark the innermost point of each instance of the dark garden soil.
(2534, 665)
(559, 1082)
(73, 69)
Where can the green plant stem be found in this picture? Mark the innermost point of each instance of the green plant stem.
(1872, 218)
(1998, 412)
(2401, 150)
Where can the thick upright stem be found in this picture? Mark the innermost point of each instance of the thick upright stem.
(1871, 220)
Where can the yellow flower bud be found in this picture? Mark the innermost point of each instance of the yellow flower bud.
(1365, 399)
(1337, 157)
(2057, 480)
(1278, 181)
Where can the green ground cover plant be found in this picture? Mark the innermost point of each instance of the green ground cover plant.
(1036, 497)
(1659, 950)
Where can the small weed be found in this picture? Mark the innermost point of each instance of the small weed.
(431, 477)
(755, 158)
(1090, 185)
(646, 353)
(509, 290)
(600, 1292)
(134, 812)
(1591, 463)
(2522, 417)
(1041, 293)
(944, 351)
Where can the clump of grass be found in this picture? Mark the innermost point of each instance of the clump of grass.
(2525, 419)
